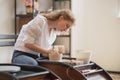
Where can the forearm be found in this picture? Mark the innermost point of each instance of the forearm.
(36, 48)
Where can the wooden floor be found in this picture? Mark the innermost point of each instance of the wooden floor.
(115, 76)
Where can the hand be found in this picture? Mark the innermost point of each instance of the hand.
(60, 50)
(51, 51)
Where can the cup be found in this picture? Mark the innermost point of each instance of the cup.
(83, 56)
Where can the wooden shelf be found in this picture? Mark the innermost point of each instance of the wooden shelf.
(21, 20)
(24, 15)
(63, 35)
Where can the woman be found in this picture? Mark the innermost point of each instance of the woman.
(37, 36)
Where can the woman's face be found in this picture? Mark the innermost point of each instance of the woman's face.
(63, 25)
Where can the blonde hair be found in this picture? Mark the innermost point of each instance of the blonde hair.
(54, 15)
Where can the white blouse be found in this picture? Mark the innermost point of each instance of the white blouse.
(36, 31)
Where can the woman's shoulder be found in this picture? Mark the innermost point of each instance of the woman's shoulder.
(40, 19)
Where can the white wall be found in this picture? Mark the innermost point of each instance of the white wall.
(97, 29)
(6, 27)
